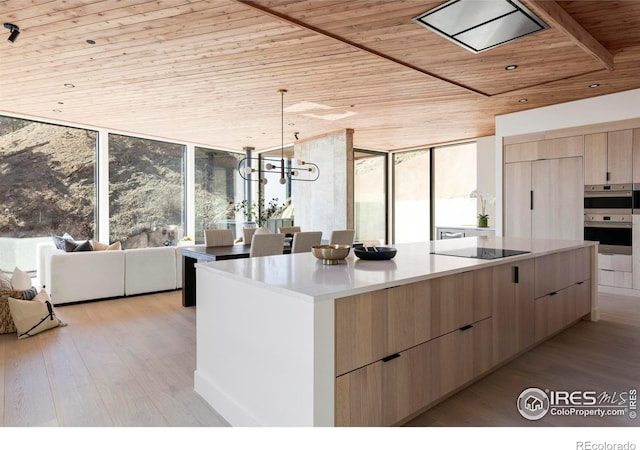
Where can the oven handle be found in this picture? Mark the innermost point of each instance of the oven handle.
(596, 194)
(608, 225)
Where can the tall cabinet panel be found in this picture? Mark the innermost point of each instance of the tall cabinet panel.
(595, 158)
(557, 199)
(517, 199)
(544, 199)
(636, 155)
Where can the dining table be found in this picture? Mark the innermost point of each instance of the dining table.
(192, 254)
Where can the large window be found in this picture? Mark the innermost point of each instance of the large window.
(370, 169)
(455, 178)
(412, 193)
(146, 192)
(217, 186)
(47, 185)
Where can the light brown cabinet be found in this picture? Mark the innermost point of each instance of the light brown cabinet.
(555, 311)
(360, 330)
(562, 290)
(374, 325)
(559, 270)
(607, 157)
(385, 392)
(564, 147)
(533, 206)
(460, 356)
(636, 155)
(459, 300)
(359, 397)
(400, 350)
(513, 309)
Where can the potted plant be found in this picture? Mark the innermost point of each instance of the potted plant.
(483, 217)
(257, 212)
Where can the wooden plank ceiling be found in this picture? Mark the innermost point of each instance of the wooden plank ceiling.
(209, 71)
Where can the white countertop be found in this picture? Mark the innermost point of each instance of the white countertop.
(304, 276)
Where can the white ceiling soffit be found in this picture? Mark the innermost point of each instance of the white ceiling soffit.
(479, 25)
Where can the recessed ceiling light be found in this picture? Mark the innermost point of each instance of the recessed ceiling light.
(594, 85)
(91, 41)
(511, 67)
(69, 85)
(523, 100)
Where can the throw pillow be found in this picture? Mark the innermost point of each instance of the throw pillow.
(20, 280)
(59, 241)
(6, 321)
(69, 246)
(115, 246)
(29, 294)
(84, 247)
(33, 317)
(5, 282)
(98, 246)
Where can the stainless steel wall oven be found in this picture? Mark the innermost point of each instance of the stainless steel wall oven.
(607, 217)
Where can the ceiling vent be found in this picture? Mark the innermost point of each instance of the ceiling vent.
(479, 25)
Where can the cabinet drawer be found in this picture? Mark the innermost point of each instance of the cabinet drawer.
(560, 270)
(460, 356)
(622, 263)
(615, 278)
(387, 391)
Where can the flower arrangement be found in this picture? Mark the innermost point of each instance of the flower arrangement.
(258, 212)
(483, 217)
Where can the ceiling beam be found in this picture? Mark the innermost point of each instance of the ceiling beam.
(335, 37)
(558, 18)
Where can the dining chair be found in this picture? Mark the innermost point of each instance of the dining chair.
(304, 240)
(289, 230)
(266, 244)
(217, 238)
(342, 237)
(247, 234)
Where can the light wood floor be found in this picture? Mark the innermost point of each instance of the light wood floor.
(596, 356)
(124, 362)
(130, 362)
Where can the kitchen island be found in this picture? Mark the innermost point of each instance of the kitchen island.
(287, 341)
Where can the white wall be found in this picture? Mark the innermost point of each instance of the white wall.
(486, 175)
(606, 108)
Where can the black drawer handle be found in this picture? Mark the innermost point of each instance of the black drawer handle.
(553, 293)
(466, 327)
(391, 357)
(580, 282)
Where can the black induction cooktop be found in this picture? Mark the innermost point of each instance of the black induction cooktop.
(480, 252)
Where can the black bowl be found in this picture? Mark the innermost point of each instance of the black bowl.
(375, 253)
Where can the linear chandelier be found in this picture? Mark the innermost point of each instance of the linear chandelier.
(298, 170)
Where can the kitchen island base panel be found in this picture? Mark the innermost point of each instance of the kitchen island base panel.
(269, 328)
(263, 358)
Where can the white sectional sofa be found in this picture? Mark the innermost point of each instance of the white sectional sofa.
(80, 276)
